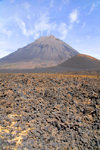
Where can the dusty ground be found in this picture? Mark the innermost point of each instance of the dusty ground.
(44, 112)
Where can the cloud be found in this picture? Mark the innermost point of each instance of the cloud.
(45, 25)
(12, 1)
(92, 8)
(36, 36)
(74, 16)
(65, 1)
(51, 3)
(22, 25)
(83, 25)
(4, 48)
(42, 26)
(4, 31)
(63, 30)
(3, 53)
(26, 5)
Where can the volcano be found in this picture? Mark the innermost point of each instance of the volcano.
(44, 52)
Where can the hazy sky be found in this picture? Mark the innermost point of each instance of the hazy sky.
(77, 22)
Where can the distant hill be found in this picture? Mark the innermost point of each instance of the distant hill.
(44, 52)
(81, 61)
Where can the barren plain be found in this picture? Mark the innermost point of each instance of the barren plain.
(49, 112)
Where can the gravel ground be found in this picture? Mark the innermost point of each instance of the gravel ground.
(46, 111)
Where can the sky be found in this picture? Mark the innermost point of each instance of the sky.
(76, 22)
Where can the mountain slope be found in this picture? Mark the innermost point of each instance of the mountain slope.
(81, 61)
(46, 51)
(79, 64)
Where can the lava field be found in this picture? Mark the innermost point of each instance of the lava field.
(49, 112)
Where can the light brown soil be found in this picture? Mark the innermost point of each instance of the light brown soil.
(49, 112)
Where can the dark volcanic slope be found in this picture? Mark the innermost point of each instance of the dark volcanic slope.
(77, 63)
(46, 51)
(81, 62)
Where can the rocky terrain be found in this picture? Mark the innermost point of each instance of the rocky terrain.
(49, 112)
